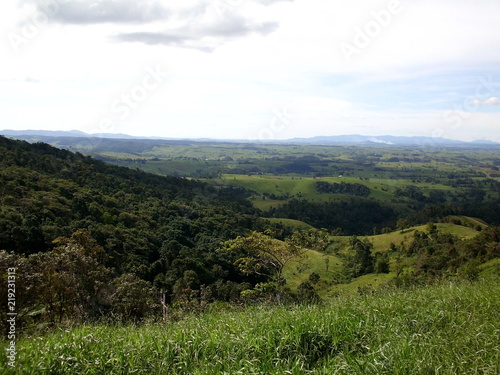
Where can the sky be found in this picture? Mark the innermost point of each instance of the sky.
(252, 69)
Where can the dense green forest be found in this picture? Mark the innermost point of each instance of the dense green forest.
(59, 208)
(94, 240)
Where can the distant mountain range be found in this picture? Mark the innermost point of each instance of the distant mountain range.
(62, 133)
(40, 135)
(387, 140)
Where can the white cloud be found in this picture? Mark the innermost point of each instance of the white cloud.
(490, 101)
(83, 12)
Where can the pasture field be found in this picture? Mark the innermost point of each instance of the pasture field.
(296, 224)
(449, 328)
(404, 179)
(327, 160)
(265, 187)
(329, 264)
(382, 242)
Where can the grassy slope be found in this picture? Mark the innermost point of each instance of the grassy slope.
(441, 329)
(298, 272)
(298, 187)
(382, 242)
(382, 189)
(295, 224)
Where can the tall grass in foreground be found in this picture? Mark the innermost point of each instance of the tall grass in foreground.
(445, 329)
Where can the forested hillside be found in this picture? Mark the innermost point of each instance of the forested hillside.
(148, 230)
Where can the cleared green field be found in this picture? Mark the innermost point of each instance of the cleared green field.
(325, 265)
(363, 284)
(279, 185)
(266, 204)
(175, 167)
(469, 221)
(382, 242)
(295, 224)
(287, 187)
(457, 230)
(392, 184)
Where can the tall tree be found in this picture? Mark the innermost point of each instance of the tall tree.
(263, 255)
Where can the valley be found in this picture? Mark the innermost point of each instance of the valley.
(220, 230)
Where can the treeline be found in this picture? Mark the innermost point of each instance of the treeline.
(473, 195)
(487, 211)
(343, 188)
(352, 217)
(437, 204)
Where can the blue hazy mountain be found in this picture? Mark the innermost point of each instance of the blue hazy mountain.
(60, 133)
(40, 135)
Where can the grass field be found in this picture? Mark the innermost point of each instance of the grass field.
(303, 187)
(329, 266)
(443, 329)
(297, 272)
(382, 242)
(294, 224)
(289, 187)
(363, 284)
